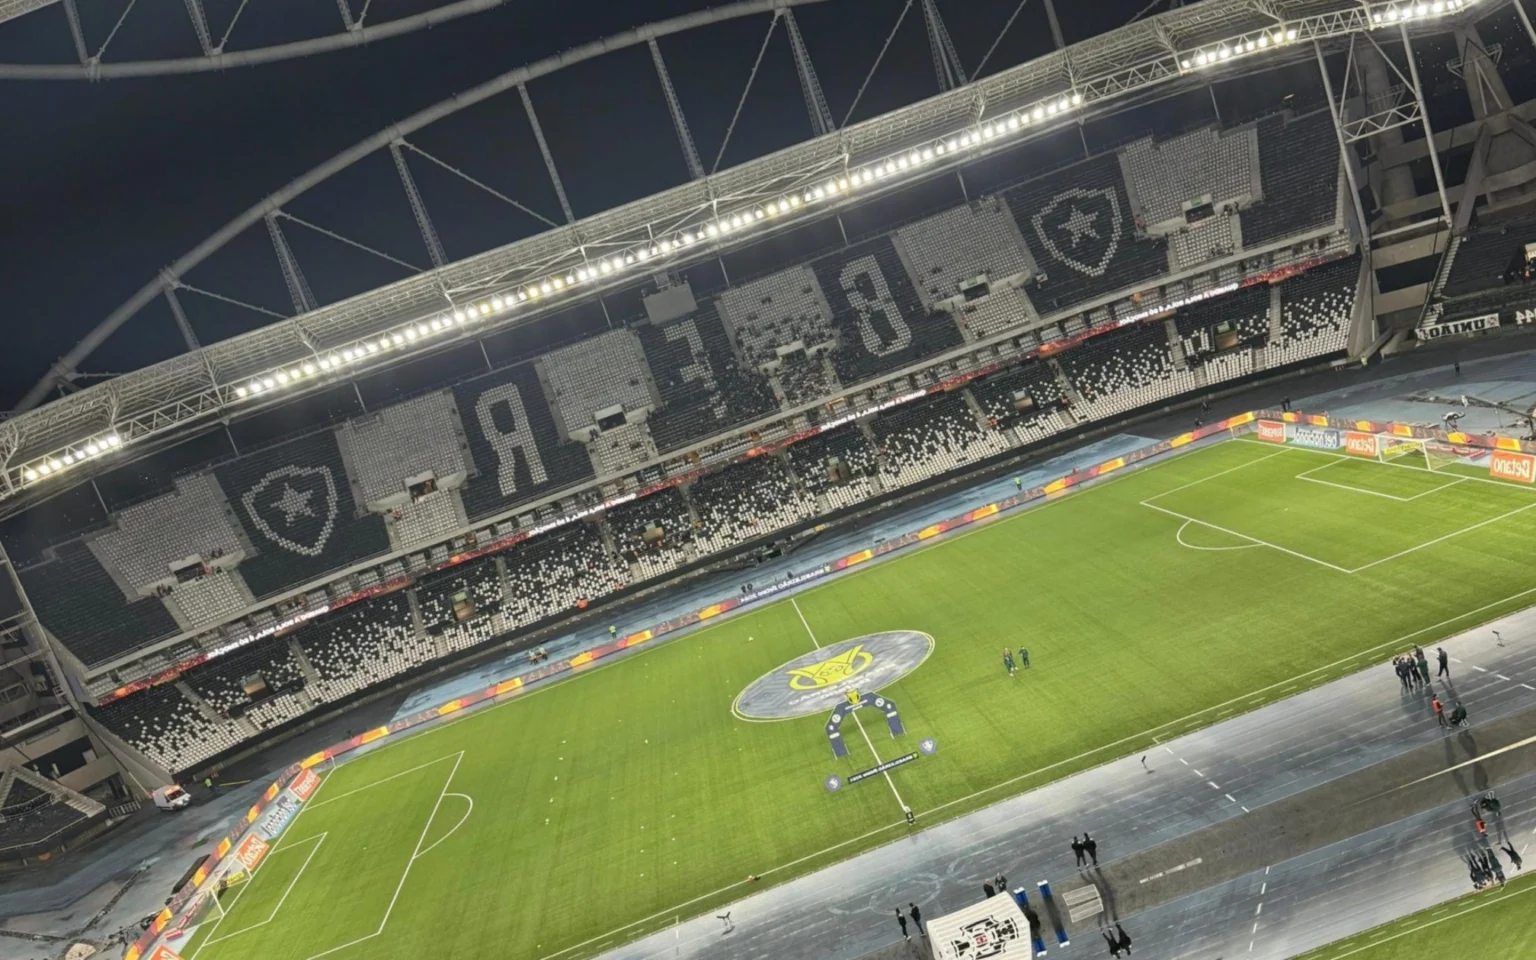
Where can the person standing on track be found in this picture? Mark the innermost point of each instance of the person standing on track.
(1424, 668)
(1092, 847)
(1079, 851)
(1445, 662)
(901, 921)
(917, 918)
(1514, 857)
(1439, 710)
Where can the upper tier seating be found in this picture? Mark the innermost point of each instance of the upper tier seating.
(746, 501)
(1299, 167)
(994, 394)
(1206, 162)
(931, 438)
(362, 645)
(1483, 257)
(622, 449)
(596, 374)
(882, 321)
(1211, 239)
(806, 379)
(403, 442)
(513, 442)
(665, 509)
(167, 727)
(812, 461)
(295, 504)
(427, 521)
(777, 311)
(77, 601)
(1247, 310)
(955, 247)
(704, 388)
(221, 681)
(152, 536)
(211, 599)
(1079, 227)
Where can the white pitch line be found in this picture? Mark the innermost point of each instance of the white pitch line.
(284, 898)
(887, 774)
(415, 855)
(796, 604)
(1457, 533)
(393, 776)
(1243, 536)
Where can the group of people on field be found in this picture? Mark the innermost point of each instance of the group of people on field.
(1012, 665)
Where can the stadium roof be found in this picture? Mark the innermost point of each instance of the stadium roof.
(509, 285)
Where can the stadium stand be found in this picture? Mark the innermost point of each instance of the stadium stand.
(665, 511)
(1210, 239)
(995, 394)
(403, 442)
(78, 602)
(931, 438)
(1224, 322)
(1299, 168)
(295, 504)
(776, 311)
(148, 539)
(477, 581)
(362, 645)
(704, 388)
(595, 374)
(1164, 176)
(622, 449)
(167, 727)
(560, 571)
(1316, 309)
(1079, 228)
(426, 520)
(513, 442)
(815, 461)
(746, 501)
(1484, 257)
(222, 682)
(883, 323)
(951, 250)
(209, 599)
(1124, 369)
(805, 379)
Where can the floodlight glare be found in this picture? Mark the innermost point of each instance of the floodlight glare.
(29, 474)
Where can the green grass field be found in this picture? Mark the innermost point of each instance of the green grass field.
(1214, 580)
(1494, 923)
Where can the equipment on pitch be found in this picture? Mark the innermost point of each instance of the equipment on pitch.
(1414, 452)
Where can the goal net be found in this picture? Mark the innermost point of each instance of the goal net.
(1414, 452)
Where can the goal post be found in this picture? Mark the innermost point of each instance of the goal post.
(1414, 452)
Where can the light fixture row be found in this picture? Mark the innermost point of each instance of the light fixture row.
(70, 456)
(1389, 14)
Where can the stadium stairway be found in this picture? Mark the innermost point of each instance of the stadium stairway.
(305, 667)
(7, 777)
(1067, 390)
(980, 414)
(1176, 347)
(76, 801)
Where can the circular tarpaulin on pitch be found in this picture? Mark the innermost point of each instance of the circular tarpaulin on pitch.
(821, 679)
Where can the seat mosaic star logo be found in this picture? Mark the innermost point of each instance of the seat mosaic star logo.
(850, 663)
(1081, 229)
(294, 507)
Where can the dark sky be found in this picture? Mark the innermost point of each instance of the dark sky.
(106, 182)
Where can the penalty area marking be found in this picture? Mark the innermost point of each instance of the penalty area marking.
(1307, 476)
(284, 898)
(1294, 681)
(1179, 536)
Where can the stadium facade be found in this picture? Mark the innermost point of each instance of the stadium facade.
(218, 549)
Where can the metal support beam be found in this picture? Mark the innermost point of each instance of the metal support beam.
(679, 121)
(1477, 172)
(946, 62)
(549, 158)
(182, 323)
(1525, 20)
(346, 14)
(815, 100)
(1344, 148)
(76, 32)
(1429, 131)
(1050, 14)
(418, 207)
(298, 288)
(200, 25)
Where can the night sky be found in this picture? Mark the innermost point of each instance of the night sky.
(106, 182)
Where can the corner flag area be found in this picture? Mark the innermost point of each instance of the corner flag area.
(584, 814)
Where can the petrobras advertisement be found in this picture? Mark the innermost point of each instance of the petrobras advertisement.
(1321, 438)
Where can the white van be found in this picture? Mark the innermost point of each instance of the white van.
(171, 797)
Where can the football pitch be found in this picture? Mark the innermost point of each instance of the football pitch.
(603, 807)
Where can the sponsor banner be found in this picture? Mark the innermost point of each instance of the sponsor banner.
(1360, 444)
(277, 816)
(1325, 438)
(305, 784)
(251, 851)
(1456, 328)
(1271, 430)
(1519, 467)
(882, 768)
(163, 952)
(1525, 316)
